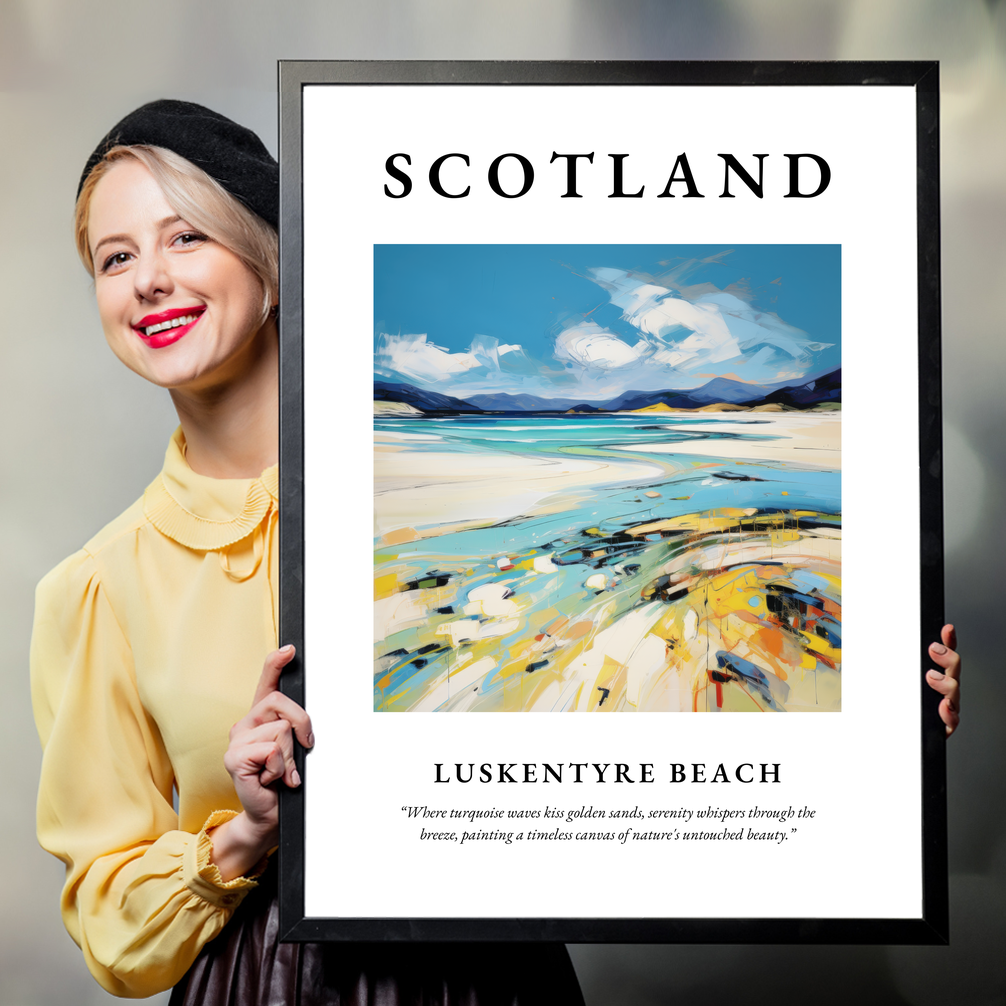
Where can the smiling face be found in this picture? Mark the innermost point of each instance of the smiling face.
(177, 307)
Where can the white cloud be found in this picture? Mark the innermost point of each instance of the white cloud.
(666, 341)
(485, 365)
(591, 346)
(685, 336)
(415, 359)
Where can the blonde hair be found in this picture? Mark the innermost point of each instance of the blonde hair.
(199, 200)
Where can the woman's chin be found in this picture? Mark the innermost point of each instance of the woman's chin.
(197, 365)
(172, 374)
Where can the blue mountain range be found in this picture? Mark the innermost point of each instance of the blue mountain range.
(804, 394)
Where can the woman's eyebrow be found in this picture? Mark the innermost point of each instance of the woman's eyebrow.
(109, 240)
(160, 225)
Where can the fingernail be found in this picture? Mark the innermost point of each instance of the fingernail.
(287, 649)
(295, 777)
(936, 675)
(938, 648)
(310, 740)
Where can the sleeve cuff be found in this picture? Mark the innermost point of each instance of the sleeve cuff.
(202, 876)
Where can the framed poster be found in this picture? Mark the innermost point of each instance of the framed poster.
(612, 389)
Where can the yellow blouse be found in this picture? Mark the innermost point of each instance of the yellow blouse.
(147, 647)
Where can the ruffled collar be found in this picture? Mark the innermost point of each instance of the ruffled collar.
(203, 513)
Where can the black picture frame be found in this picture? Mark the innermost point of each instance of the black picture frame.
(931, 927)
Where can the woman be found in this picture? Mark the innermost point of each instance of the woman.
(148, 643)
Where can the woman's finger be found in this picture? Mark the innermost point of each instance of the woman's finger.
(949, 660)
(950, 715)
(273, 766)
(260, 760)
(947, 681)
(276, 706)
(944, 684)
(280, 732)
(271, 671)
(949, 636)
(950, 689)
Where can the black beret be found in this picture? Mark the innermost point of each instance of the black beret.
(230, 154)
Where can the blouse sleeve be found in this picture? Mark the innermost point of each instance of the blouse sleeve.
(141, 898)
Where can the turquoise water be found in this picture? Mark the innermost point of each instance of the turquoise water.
(760, 484)
(586, 537)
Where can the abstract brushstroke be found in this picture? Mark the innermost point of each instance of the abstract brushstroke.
(672, 549)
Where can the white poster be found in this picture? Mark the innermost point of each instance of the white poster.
(611, 503)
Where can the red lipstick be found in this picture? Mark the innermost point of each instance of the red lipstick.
(166, 327)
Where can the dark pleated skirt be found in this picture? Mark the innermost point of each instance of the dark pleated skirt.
(246, 965)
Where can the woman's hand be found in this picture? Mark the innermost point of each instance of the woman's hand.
(260, 753)
(948, 681)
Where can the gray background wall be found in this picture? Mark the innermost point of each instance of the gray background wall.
(82, 436)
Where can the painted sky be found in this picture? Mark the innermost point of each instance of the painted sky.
(593, 321)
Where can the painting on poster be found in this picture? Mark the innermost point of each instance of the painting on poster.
(587, 419)
(635, 506)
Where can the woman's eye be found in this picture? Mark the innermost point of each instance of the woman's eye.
(114, 261)
(190, 238)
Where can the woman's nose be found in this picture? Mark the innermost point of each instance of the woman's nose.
(152, 277)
